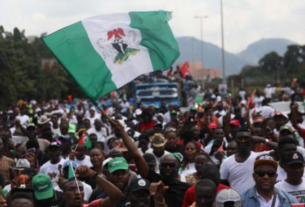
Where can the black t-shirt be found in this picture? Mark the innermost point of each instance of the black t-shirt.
(175, 194)
(178, 148)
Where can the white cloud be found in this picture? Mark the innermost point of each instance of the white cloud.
(245, 21)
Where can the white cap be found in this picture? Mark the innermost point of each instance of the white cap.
(218, 98)
(138, 112)
(227, 195)
(22, 163)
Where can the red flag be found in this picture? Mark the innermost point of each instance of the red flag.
(169, 72)
(70, 98)
(220, 148)
(185, 69)
(81, 140)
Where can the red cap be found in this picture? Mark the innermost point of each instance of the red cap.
(258, 120)
(235, 122)
(212, 125)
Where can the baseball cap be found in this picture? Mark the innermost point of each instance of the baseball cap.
(138, 112)
(139, 184)
(118, 163)
(280, 114)
(286, 127)
(212, 125)
(265, 159)
(235, 122)
(31, 126)
(173, 112)
(42, 185)
(294, 158)
(158, 140)
(22, 163)
(226, 196)
(178, 156)
(150, 159)
(54, 144)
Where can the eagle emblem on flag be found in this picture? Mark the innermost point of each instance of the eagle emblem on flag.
(121, 45)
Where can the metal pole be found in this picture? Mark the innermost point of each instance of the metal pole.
(223, 46)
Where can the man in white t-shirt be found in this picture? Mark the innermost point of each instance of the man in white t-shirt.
(80, 156)
(51, 167)
(237, 169)
(99, 130)
(293, 184)
(93, 115)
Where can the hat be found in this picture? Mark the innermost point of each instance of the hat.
(294, 158)
(54, 144)
(31, 126)
(280, 114)
(193, 109)
(173, 112)
(265, 159)
(286, 127)
(118, 163)
(160, 114)
(43, 120)
(212, 125)
(158, 140)
(235, 122)
(139, 184)
(178, 156)
(138, 112)
(150, 159)
(73, 163)
(228, 195)
(42, 185)
(22, 163)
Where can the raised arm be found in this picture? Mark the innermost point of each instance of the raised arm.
(129, 143)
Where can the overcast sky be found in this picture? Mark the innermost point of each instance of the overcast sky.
(245, 21)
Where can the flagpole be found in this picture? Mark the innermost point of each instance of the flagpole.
(76, 181)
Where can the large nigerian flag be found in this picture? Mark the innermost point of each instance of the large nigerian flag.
(105, 52)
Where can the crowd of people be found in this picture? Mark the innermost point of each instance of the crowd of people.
(222, 153)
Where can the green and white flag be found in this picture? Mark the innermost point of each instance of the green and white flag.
(105, 52)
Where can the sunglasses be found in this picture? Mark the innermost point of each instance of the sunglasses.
(168, 165)
(263, 173)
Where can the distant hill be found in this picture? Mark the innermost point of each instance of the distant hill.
(258, 49)
(190, 49)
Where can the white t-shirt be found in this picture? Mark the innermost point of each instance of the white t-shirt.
(258, 101)
(52, 170)
(86, 161)
(266, 111)
(264, 203)
(239, 175)
(87, 191)
(24, 119)
(92, 119)
(268, 92)
(189, 169)
(298, 191)
(101, 135)
(55, 131)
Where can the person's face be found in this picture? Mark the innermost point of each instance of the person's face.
(143, 144)
(87, 124)
(173, 116)
(160, 119)
(120, 178)
(72, 196)
(31, 132)
(257, 131)
(231, 149)
(92, 112)
(234, 130)
(54, 119)
(65, 144)
(139, 198)
(286, 149)
(64, 129)
(22, 202)
(200, 160)
(279, 121)
(96, 157)
(158, 151)
(98, 125)
(243, 140)
(265, 177)
(294, 171)
(171, 139)
(80, 152)
(196, 132)
(93, 139)
(190, 152)
(205, 196)
(218, 134)
(168, 167)
(54, 153)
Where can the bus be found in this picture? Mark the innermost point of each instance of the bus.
(154, 93)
